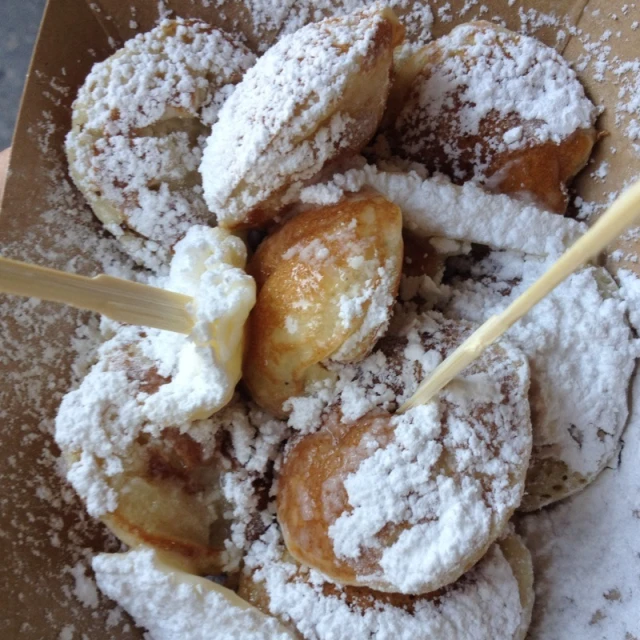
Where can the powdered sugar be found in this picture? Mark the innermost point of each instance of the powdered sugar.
(85, 587)
(425, 493)
(146, 381)
(489, 73)
(408, 464)
(581, 353)
(586, 553)
(256, 439)
(172, 604)
(484, 604)
(377, 299)
(436, 207)
(416, 17)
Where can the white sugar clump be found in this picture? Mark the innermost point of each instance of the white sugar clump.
(436, 207)
(139, 124)
(483, 604)
(205, 366)
(148, 380)
(288, 117)
(209, 265)
(172, 604)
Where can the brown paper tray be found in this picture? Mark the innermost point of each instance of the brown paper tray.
(43, 528)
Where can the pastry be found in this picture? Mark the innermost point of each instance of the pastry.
(138, 126)
(500, 108)
(327, 281)
(315, 97)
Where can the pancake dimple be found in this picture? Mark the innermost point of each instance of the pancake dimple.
(315, 97)
(327, 282)
(502, 108)
(409, 503)
(138, 126)
(493, 600)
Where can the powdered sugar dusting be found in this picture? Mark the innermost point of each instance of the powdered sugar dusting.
(288, 118)
(416, 17)
(144, 380)
(581, 351)
(436, 207)
(172, 604)
(596, 524)
(580, 597)
(491, 73)
(484, 604)
(426, 493)
(408, 464)
(374, 321)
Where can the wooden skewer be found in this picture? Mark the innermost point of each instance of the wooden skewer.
(118, 299)
(620, 215)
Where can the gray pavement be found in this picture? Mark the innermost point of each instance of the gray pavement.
(19, 21)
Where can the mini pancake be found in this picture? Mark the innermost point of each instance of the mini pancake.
(158, 486)
(163, 596)
(407, 504)
(138, 126)
(315, 97)
(582, 356)
(327, 281)
(501, 108)
(141, 448)
(493, 600)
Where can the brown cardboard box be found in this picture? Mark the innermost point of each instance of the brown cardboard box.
(43, 528)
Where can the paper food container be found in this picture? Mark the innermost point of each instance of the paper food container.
(46, 538)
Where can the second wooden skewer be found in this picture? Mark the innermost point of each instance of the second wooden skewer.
(620, 215)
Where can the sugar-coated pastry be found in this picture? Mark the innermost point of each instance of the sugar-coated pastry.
(163, 596)
(136, 434)
(582, 355)
(327, 281)
(138, 126)
(316, 96)
(499, 107)
(493, 600)
(408, 503)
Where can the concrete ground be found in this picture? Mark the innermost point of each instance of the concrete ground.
(19, 21)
